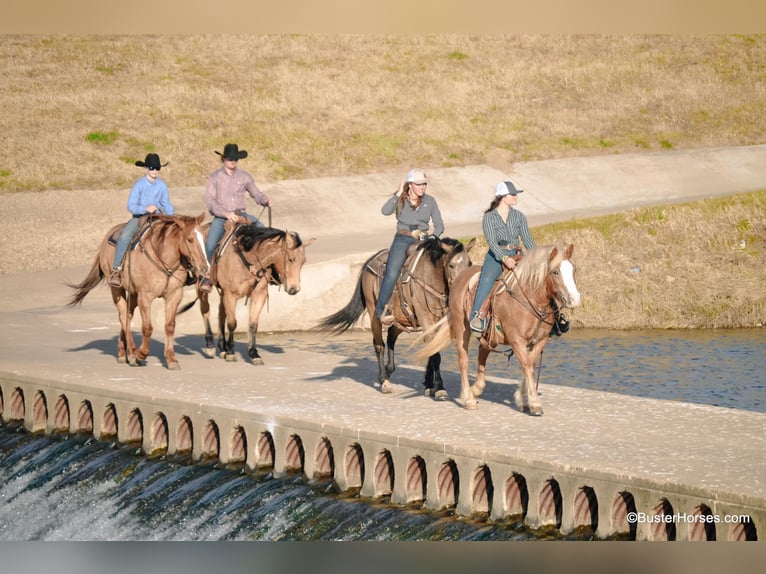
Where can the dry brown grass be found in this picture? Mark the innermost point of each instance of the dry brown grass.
(78, 111)
(693, 265)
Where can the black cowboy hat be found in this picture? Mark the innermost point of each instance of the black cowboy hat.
(231, 152)
(152, 161)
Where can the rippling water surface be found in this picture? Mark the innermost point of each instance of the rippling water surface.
(725, 368)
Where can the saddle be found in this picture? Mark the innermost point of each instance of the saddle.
(377, 266)
(230, 230)
(145, 223)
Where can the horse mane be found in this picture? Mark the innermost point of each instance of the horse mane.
(167, 225)
(533, 268)
(433, 247)
(251, 234)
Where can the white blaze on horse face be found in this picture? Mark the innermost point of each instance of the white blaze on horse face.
(567, 273)
(201, 241)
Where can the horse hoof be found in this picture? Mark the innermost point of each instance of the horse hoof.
(386, 388)
(472, 405)
(174, 367)
(230, 357)
(441, 395)
(428, 393)
(256, 361)
(122, 360)
(209, 351)
(535, 411)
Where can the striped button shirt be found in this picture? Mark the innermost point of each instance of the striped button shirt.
(499, 233)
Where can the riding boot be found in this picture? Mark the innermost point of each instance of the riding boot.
(205, 285)
(478, 322)
(387, 317)
(560, 323)
(115, 279)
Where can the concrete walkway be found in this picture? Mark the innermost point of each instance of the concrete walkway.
(715, 451)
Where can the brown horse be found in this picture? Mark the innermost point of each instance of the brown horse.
(419, 301)
(255, 258)
(524, 304)
(168, 247)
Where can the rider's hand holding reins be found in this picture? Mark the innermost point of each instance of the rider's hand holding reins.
(509, 262)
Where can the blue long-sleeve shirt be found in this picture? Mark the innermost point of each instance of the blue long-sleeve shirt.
(146, 193)
(499, 233)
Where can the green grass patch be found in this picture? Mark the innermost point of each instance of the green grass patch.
(459, 56)
(103, 138)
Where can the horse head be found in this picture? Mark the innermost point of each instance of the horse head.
(457, 259)
(192, 242)
(287, 266)
(188, 240)
(560, 281)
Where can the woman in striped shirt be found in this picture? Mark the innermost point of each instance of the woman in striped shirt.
(504, 227)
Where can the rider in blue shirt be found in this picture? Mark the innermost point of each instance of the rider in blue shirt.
(149, 195)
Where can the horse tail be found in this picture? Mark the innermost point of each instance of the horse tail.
(186, 307)
(95, 276)
(436, 338)
(346, 318)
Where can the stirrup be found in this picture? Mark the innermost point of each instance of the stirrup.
(205, 285)
(115, 279)
(478, 324)
(387, 317)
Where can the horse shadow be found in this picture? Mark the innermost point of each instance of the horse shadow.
(185, 346)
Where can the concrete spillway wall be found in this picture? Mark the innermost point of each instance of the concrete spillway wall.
(474, 481)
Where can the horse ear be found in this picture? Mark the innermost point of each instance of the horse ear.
(200, 218)
(570, 250)
(470, 244)
(553, 254)
(308, 242)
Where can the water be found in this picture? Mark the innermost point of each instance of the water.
(723, 368)
(75, 488)
(80, 489)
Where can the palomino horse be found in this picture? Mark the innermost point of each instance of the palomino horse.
(255, 258)
(156, 267)
(522, 315)
(419, 301)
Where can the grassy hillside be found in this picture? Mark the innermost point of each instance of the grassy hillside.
(79, 110)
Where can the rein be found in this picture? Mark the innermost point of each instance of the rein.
(158, 262)
(260, 272)
(442, 298)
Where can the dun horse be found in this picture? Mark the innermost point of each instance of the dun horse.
(419, 301)
(156, 267)
(255, 258)
(522, 316)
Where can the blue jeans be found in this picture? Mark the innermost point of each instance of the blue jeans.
(397, 255)
(124, 241)
(491, 269)
(216, 231)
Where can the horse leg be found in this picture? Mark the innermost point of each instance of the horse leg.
(478, 387)
(434, 366)
(380, 354)
(145, 308)
(171, 307)
(118, 298)
(462, 341)
(130, 344)
(258, 299)
(221, 328)
(390, 360)
(229, 303)
(204, 305)
(526, 397)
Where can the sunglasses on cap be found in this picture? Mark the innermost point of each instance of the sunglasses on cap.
(150, 168)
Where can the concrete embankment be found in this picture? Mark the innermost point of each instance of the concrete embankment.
(616, 464)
